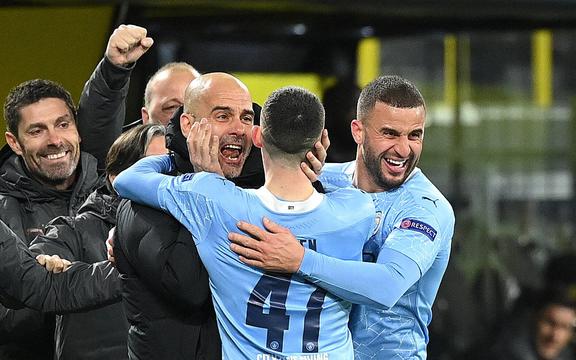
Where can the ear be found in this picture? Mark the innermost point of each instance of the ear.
(257, 136)
(357, 129)
(111, 178)
(12, 141)
(186, 121)
(145, 115)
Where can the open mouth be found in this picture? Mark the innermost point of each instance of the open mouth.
(56, 156)
(231, 152)
(397, 163)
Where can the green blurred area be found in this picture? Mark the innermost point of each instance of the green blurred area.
(63, 44)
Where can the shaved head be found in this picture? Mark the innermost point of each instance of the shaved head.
(226, 103)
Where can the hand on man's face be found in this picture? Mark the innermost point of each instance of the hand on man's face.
(203, 148)
(316, 159)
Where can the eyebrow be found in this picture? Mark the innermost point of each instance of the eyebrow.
(42, 124)
(387, 128)
(229, 109)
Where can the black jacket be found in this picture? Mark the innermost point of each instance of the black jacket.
(24, 282)
(102, 108)
(100, 333)
(166, 292)
(26, 206)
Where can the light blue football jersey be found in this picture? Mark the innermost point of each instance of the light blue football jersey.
(417, 221)
(262, 316)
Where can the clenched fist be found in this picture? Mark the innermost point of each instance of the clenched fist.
(53, 263)
(127, 44)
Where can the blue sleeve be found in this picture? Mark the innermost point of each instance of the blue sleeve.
(141, 181)
(378, 284)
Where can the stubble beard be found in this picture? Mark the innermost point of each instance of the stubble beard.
(373, 163)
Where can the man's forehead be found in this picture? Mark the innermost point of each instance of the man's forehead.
(45, 109)
(384, 113)
(175, 75)
(172, 85)
(236, 98)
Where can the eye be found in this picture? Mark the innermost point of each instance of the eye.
(388, 133)
(34, 132)
(248, 119)
(64, 125)
(222, 117)
(417, 135)
(171, 109)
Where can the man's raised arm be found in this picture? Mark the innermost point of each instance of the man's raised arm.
(102, 105)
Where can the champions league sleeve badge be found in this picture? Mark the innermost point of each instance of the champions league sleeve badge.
(419, 226)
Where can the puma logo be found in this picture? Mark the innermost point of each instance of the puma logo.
(433, 201)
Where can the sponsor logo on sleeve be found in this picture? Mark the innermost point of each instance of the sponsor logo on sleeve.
(421, 227)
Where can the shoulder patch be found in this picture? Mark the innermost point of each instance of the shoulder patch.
(187, 177)
(421, 227)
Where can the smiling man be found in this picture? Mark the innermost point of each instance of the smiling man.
(226, 103)
(46, 176)
(406, 258)
(48, 142)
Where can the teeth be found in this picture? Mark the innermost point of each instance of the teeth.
(56, 156)
(233, 147)
(231, 151)
(396, 162)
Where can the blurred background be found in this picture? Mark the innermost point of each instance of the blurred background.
(498, 77)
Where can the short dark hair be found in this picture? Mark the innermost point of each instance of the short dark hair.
(130, 147)
(30, 92)
(391, 90)
(556, 294)
(292, 120)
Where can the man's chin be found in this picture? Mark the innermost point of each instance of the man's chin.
(231, 172)
(232, 169)
(54, 175)
(52, 180)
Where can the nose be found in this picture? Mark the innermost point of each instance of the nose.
(54, 138)
(402, 146)
(239, 127)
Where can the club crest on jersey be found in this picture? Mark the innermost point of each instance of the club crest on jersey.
(421, 227)
(378, 221)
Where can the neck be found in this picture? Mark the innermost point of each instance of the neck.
(54, 185)
(65, 185)
(287, 183)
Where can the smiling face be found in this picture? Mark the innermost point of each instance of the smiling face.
(389, 145)
(48, 141)
(227, 105)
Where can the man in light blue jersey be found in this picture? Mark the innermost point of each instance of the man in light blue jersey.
(407, 258)
(262, 315)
